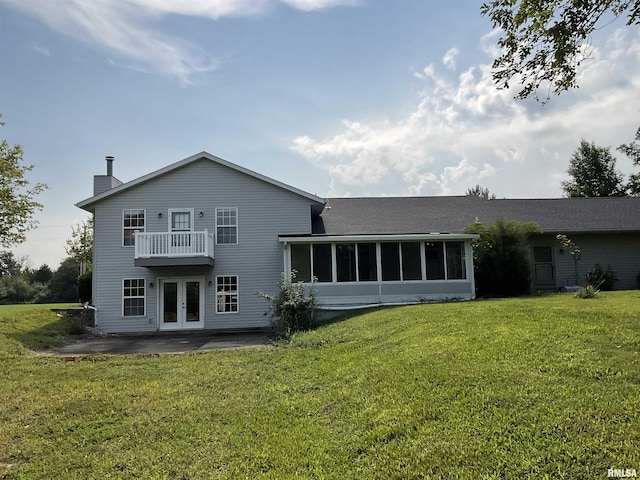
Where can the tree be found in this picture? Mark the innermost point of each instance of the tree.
(63, 283)
(9, 264)
(593, 172)
(481, 192)
(544, 41)
(41, 275)
(17, 204)
(80, 245)
(632, 150)
(501, 257)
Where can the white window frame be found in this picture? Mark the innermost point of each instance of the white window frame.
(144, 297)
(135, 229)
(225, 293)
(235, 209)
(170, 213)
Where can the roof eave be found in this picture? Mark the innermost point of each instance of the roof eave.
(376, 237)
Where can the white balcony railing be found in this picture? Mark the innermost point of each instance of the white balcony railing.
(173, 244)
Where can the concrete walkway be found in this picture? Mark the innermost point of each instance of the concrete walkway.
(165, 343)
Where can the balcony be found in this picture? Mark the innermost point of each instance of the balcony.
(166, 249)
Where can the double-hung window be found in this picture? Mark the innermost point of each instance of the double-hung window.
(226, 225)
(227, 294)
(132, 222)
(133, 297)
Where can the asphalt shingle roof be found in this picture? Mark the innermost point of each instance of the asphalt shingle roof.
(388, 215)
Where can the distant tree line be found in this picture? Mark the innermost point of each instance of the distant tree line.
(20, 283)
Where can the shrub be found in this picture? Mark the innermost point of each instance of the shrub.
(292, 309)
(501, 257)
(601, 279)
(587, 291)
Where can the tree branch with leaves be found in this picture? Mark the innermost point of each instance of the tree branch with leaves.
(544, 41)
(17, 204)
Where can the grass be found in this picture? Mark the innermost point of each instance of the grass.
(539, 387)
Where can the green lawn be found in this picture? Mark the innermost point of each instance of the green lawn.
(539, 387)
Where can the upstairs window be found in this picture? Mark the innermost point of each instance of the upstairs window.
(132, 222)
(226, 225)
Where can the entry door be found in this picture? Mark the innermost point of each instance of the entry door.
(543, 273)
(181, 303)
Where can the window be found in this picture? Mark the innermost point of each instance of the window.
(455, 261)
(434, 251)
(322, 266)
(367, 263)
(132, 222)
(411, 261)
(227, 294)
(180, 220)
(390, 256)
(301, 261)
(226, 225)
(133, 297)
(346, 262)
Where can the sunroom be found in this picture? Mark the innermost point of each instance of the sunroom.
(367, 270)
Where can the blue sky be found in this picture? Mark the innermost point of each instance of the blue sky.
(336, 97)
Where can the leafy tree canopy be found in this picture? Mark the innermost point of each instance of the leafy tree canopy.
(544, 41)
(481, 192)
(632, 150)
(593, 173)
(80, 245)
(17, 204)
(9, 264)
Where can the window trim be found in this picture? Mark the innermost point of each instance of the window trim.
(138, 229)
(228, 226)
(170, 213)
(237, 294)
(144, 297)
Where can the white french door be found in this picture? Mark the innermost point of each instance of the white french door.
(181, 303)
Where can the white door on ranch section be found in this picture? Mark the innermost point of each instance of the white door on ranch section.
(181, 303)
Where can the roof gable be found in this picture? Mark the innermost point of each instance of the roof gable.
(88, 203)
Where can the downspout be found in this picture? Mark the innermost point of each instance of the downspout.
(95, 313)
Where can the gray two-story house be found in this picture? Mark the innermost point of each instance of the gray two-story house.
(189, 246)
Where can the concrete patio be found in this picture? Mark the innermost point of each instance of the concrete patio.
(165, 343)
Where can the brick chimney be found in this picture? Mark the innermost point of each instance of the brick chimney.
(102, 183)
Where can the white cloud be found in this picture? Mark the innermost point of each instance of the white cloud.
(464, 131)
(125, 27)
(40, 49)
(449, 59)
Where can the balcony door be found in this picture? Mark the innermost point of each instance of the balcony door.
(181, 303)
(181, 226)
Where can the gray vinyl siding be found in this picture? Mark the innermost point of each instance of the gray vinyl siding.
(620, 250)
(264, 212)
